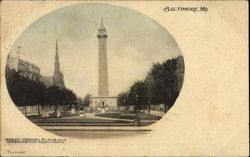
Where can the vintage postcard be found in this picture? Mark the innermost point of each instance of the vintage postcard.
(124, 78)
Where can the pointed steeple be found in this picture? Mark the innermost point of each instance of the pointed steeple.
(57, 63)
(56, 48)
(58, 75)
(56, 57)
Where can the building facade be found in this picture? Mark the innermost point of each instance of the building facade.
(32, 72)
(103, 103)
(24, 68)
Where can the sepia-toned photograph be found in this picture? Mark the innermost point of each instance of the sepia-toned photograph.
(94, 65)
(124, 78)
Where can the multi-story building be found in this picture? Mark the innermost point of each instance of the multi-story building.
(23, 67)
(32, 71)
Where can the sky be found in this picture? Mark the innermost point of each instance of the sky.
(134, 43)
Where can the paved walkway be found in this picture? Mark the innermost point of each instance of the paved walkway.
(90, 122)
(157, 113)
(92, 116)
(93, 128)
(35, 113)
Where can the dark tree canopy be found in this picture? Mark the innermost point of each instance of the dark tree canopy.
(122, 99)
(138, 96)
(161, 86)
(26, 92)
(86, 100)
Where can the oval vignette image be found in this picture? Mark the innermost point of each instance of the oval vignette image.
(94, 71)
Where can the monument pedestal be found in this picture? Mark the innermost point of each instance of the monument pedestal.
(103, 103)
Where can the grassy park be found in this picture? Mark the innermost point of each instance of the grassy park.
(129, 115)
(95, 119)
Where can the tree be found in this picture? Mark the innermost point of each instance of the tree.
(80, 103)
(161, 86)
(61, 97)
(37, 92)
(23, 91)
(53, 96)
(27, 92)
(153, 87)
(69, 97)
(165, 77)
(122, 99)
(86, 100)
(137, 95)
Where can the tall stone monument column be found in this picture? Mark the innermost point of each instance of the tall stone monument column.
(103, 102)
(102, 62)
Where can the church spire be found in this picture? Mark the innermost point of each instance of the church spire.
(57, 64)
(58, 75)
(56, 48)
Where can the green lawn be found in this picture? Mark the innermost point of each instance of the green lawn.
(124, 115)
